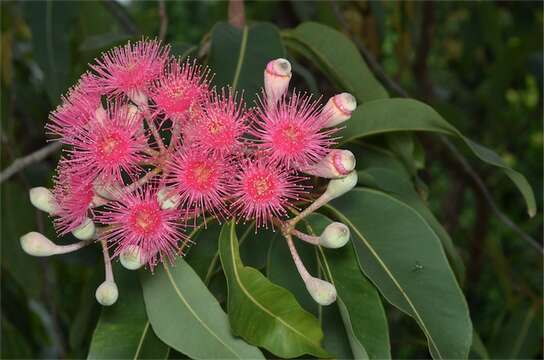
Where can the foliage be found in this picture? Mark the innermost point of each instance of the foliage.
(423, 243)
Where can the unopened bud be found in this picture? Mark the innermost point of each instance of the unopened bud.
(277, 75)
(339, 108)
(337, 164)
(338, 187)
(167, 200)
(131, 257)
(85, 231)
(334, 236)
(37, 244)
(107, 293)
(323, 292)
(42, 198)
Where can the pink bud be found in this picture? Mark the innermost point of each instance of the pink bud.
(337, 164)
(276, 79)
(339, 108)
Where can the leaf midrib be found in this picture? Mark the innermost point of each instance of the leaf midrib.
(393, 279)
(141, 342)
(184, 301)
(239, 281)
(241, 56)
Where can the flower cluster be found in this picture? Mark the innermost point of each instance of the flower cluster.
(152, 148)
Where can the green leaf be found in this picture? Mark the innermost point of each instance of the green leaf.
(51, 22)
(391, 115)
(202, 253)
(336, 340)
(187, 317)
(399, 186)
(263, 313)
(239, 57)
(338, 57)
(123, 331)
(358, 301)
(402, 256)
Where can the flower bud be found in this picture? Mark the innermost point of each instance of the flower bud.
(339, 108)
(334, 236)
(131, 257)
(166, 200)
(36, 244)
(337, 164)
(107, 293)
(338, 187)
(277, 75)
(42, 198)
(323, 292)
(85, 231)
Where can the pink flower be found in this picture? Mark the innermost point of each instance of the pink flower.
(201, 181)
(81, 106)
(110, 148)
(130, 69)
(221, 125)
(263, 191)
(179, 89)
(291, 133)
(73, 195)
(137, 219)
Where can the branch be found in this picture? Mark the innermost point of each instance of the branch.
(419, 67)
(21, 163)
(164, 20)
(479, 185)
(237, 17)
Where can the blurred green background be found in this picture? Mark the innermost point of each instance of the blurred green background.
(478, 63)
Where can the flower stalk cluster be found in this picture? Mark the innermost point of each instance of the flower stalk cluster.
(152, 149)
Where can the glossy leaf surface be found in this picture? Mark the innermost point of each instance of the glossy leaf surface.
(238, 56)
(358, 300)
(263, 313)
(123, 331)
(186, 316)
(402, 256)
(391, 115)
(338, 57)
